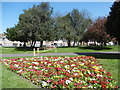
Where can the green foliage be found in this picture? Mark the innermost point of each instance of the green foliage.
(38, 24)
(113, 21)
(35, 24)
(11, 34)
(80, 22)
(72, 26)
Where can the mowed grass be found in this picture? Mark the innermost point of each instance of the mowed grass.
(112, 66)
(12, 80)
(0, 76)
(83, 49)
(12, 50)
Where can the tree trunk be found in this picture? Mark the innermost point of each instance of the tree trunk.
(102, 44)
(105, 44)
(34, 43)
(69, 43)
(73, 43)
(118, 42)
(94, 43)
(87, 43)
(24, 45)
(41, 43)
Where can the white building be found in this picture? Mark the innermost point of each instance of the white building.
(7, 43)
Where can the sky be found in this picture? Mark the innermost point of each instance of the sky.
(12, 10)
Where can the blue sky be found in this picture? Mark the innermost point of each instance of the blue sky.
(12, 10)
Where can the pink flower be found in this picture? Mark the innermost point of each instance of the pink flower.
(39, 71)
(31, 70)
(75, 84)
(48, 80)
(80, 83)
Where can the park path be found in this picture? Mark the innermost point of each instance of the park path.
(52, 54)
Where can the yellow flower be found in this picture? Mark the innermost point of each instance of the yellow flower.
(96, 68)
(42, 62)
(80, 74)
(56, 76)
(81, 64)
(92, 62)
(58, 65)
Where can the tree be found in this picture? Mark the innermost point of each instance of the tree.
(35, 24)
(80, 22)
(11, 34)
(113, 21)
(72, 26)
(96, 32)
(65, 29)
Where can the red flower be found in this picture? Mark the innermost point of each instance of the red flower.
(65, 85)
(61, 81)
(11, 66)
(58, 73)
(53, 86)
(67, 74)
(58, 68)
(94, 81)
(55, 83)
(92, 74)
(108, 74)
(87, 75)
(104, 86)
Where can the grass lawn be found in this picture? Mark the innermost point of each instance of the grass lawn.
(112, 66)
(6, 50)
(12, 50)
(0, 76)
(12, 80)
(83, 49)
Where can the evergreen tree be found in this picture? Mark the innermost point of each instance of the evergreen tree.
(35, 24)
(113, 21)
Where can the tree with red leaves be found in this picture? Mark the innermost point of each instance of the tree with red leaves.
(96, 32)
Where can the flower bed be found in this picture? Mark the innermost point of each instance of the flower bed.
(62, 72)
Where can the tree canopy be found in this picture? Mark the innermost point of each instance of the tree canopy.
(73, 25)
(38, 24)
(96, 32)
(35, 24)
(113, 21)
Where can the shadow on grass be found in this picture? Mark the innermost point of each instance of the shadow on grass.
(102, 55)
(95, 47)
(23, 49)
(68, 47)
(27, 48)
